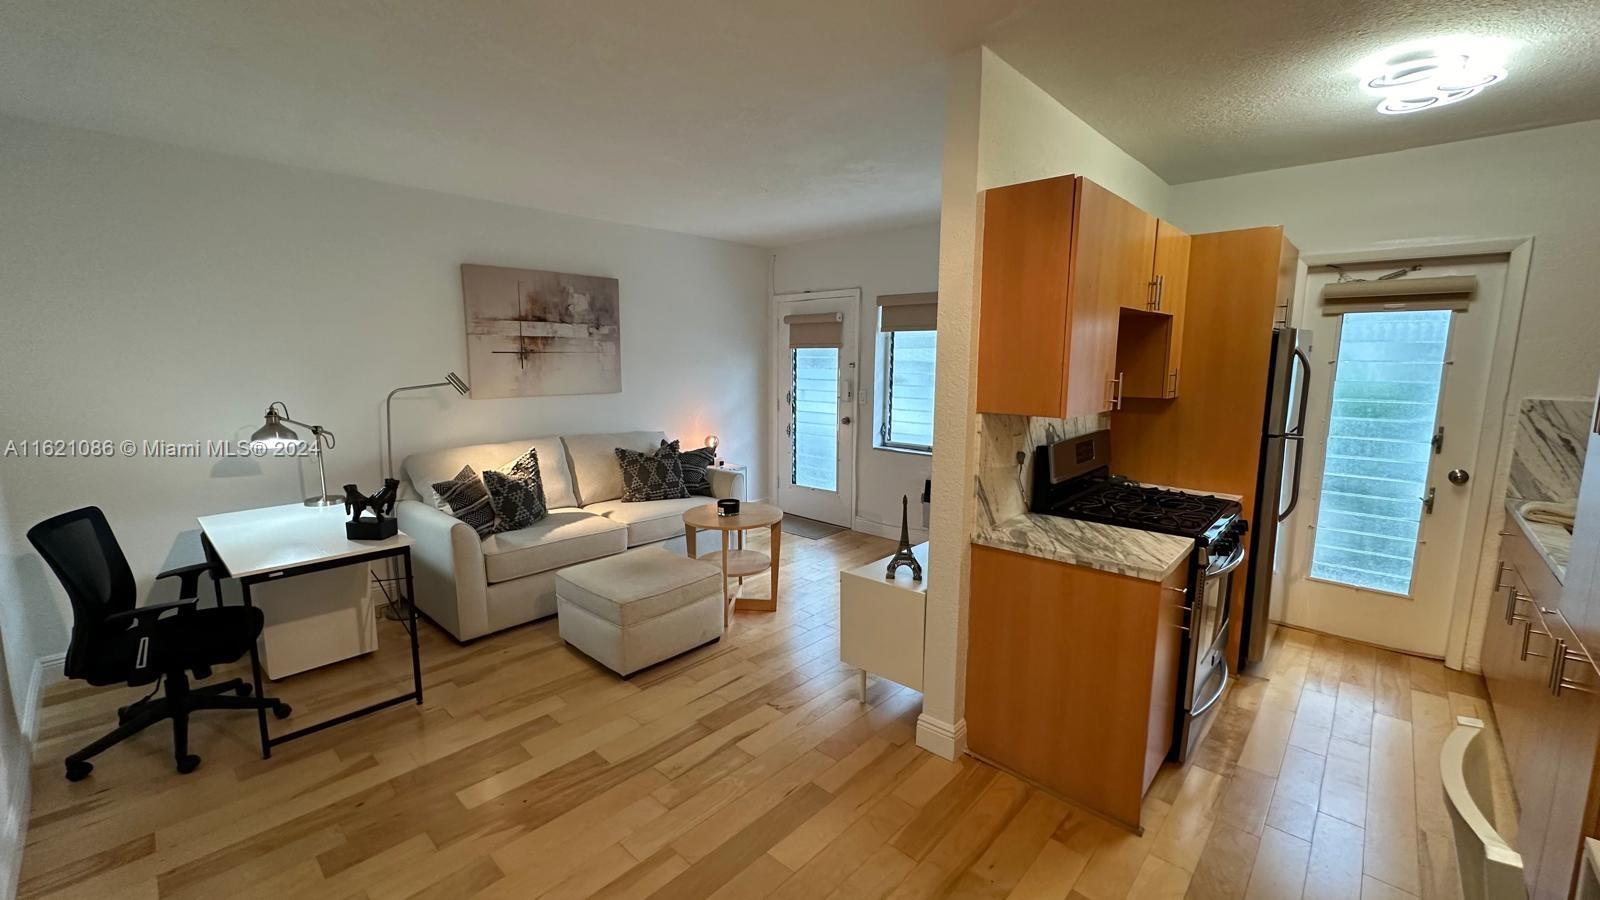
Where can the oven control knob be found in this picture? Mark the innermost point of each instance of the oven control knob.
(1238, 526)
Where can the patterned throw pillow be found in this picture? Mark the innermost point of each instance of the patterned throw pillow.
(468, 501)
(651, 476)
(517, 492)
(695, 463)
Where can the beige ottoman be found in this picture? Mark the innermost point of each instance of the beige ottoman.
(638, 608)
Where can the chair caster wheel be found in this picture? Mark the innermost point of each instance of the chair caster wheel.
(282, 710)
(187, 764)
(244, 690)
(78, 771)
(122, 714)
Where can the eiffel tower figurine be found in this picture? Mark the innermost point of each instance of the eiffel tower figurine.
(903, 556)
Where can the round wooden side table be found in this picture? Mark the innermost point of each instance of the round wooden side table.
(734, 560)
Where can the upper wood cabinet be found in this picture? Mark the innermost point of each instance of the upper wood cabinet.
(1150, 338)
(1060, 258)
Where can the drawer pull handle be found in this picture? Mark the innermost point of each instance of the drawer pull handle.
(1528, 632)
(1513, 597)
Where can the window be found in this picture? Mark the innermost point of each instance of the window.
(908, 371)
(815, 429)
(1380, 442)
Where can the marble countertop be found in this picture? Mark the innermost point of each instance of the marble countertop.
(1147, 555)
(1553, 542)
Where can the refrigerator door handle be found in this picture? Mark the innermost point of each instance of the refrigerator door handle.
(1304, 361)
(1294, 484)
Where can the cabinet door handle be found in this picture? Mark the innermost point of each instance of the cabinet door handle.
(1150, 294)
(1119, 389)
(1173, 377)
(1161, 291)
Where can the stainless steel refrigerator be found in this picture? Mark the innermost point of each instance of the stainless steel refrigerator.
(1277, 481)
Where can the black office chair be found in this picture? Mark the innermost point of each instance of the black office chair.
(116, 642)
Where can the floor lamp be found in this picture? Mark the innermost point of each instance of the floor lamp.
(451, 380)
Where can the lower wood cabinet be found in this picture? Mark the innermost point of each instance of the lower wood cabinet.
(1551, 736)
(1072, 676)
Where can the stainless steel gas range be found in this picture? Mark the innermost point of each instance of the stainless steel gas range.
(1072, 479)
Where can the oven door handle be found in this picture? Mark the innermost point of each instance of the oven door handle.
(1206, 706)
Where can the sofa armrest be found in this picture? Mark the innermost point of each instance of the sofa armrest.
(451, 586)
(725, 484)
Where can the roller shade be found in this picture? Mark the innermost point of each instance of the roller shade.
(815, 330)
(1440, 292)
(908, 312)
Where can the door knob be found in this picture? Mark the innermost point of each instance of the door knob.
(1458, 476)
(845, 420)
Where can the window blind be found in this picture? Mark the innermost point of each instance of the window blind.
(815, 330)
(908, 312)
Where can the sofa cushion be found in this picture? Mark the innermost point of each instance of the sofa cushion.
(650, 521)
(423, 469)
(694, 464)
(596, 474)
(651, 476)
(468, 500)
(638, 585)
(563, 537)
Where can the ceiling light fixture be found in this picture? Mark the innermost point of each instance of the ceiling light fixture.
(1432, 73)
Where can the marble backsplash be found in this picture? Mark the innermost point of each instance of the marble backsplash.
(1547, 455)
(1005, 459)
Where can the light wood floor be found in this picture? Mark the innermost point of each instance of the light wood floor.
(745, 769)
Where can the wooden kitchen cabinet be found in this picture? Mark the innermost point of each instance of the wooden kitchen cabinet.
(1544, 700)
(1209, 438)
(1059, 259)
(1150, 340)
(1072, 676)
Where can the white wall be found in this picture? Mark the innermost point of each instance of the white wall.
(892, 261)
(1000, 128)
(151, 292)
(15, 753)
(1543, 183)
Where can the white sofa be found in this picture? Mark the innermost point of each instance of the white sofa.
(473, 587)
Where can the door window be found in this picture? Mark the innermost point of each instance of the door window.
(815, 431)
(1380, 443)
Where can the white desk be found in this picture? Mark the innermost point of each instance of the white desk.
(881, 621)
(262, 541)
(258, 546)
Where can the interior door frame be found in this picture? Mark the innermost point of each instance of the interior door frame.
(1467, 618)
(849, 360)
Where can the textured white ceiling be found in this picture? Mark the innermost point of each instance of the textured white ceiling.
(1204, 88)
(758, 121)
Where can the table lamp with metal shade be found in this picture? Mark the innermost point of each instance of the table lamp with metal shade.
(277, 434)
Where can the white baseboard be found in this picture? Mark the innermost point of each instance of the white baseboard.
(884, 529)
(47, 670)
(942, 738)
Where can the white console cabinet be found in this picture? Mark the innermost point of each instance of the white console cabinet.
(881, 620)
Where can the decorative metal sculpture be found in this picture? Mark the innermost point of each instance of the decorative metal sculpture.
(904, 556)
(381, 524)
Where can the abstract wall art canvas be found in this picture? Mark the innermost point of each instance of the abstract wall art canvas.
(532, 333)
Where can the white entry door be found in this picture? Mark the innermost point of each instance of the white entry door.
(1396, 407)
(815, 353)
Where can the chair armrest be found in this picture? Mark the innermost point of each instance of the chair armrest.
(725, 484)
(188, 578)
(451, 584)
(151, 611)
